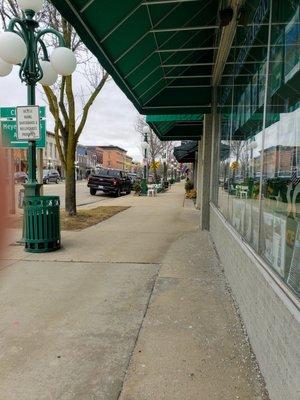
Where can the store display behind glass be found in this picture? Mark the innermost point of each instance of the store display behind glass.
(259, 171)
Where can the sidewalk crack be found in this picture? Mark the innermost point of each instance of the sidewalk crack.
(155, 278)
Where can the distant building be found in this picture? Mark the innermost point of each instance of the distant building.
(86, 161)
(97, 152)
(113, 157)
(137, 168)
(279, 161)
(128, 163)
(20, 159)
(51, 159)
(88, 157)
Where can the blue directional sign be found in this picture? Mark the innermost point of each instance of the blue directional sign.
(8, 129)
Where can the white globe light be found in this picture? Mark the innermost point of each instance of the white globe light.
(146, 129)
(5, 68)
(34, 5)
(252, 145)
(49, 74)
(145, 146)
(13, 49)
(63, 61)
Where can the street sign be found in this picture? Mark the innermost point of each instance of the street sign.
(8, 128)
(28, 123)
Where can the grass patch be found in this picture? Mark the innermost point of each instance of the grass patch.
(87, 218)
(84, 218)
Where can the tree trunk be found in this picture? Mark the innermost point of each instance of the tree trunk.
(70, 203)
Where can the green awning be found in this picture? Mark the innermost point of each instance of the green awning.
(177, 127)
(160, 52)
(186, 152)
(224, 151)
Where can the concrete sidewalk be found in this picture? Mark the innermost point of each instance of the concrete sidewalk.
(135, 308)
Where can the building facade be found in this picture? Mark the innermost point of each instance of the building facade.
(128, 163)
(113, 157)
(97, 154)
(230, 77)
(51, 158)
(20, 160)
(86, 161)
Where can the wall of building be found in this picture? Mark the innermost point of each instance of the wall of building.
(20, 159)
(271, 319)
(51, 159)
(114, 158)
(128, 164)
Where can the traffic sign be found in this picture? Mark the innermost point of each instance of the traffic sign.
(28, 123)
(9, 130)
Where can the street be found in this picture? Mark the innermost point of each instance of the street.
(83, 193)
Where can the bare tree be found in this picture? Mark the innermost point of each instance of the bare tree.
(69, 117)
(157, 147)
(237, 151)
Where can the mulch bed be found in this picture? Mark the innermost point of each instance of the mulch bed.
(84, 218)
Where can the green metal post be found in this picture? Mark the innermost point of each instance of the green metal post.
(32, 188)
(144, 186)
(165, 172)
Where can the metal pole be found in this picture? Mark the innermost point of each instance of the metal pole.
(32, 188)
(144, 187)
(145, 166)
(266, 95)
(32, 143)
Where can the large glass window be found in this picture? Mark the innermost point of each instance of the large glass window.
(259, 98)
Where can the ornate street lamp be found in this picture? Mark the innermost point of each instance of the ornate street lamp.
(252, 146)
(145, 149)
(172, 173)
(22, 44)
(164, 160)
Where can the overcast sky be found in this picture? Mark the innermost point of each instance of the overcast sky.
(111, 119)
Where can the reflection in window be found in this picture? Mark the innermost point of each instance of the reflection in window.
(259, 171)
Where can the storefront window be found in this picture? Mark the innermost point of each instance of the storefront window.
(259, 183)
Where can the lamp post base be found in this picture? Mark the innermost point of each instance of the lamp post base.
(32, 189)
(144, 188)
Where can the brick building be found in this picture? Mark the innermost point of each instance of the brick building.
(97, 152)
(129, 164)
(113, 157)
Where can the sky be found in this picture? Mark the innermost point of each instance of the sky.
(111, 120)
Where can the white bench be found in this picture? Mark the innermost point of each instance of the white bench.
(151, 191)
(242, 191)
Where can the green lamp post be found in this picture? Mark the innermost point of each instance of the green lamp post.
(165, 168)
(22, 44)
(145, 149)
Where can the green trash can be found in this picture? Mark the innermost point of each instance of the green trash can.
(41, 227)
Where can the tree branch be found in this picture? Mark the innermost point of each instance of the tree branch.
(62, 101)
(88, 105)
(53, 106)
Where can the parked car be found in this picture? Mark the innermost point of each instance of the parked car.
(50, 175)
(21, 177)
(110, 181)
